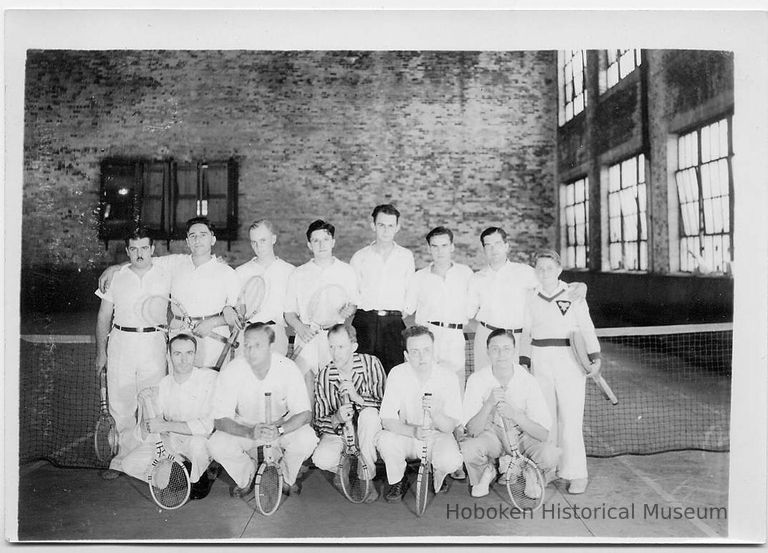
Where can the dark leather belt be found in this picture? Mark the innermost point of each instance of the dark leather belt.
(198, 319)
(551, 342)
(447, 325)
(491, 327)
(139, 329)
(385, 313)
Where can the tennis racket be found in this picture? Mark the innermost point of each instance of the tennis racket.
(579, 349)
(248, 304)
(525, 483)
(325, 309)
(168, 478)
(158, 310)
(425, 469)
(105, 438)
(354, 473)
(268, 487)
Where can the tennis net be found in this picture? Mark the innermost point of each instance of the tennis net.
(673, 385)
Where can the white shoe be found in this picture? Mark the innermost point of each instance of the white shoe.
(532, 487)
(482, 488)
(577, 486)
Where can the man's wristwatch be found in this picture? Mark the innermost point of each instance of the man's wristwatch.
(280, 430)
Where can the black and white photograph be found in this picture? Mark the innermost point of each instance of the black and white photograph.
(475, 277)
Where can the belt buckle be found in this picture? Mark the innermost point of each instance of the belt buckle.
(381, 313)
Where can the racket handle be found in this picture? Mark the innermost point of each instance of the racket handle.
(427, 417)
(268, 407)
(606, 389)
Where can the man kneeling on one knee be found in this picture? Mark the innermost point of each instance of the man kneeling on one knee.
(359, 377)
(505, 389)
(239, 412)
(402, 413)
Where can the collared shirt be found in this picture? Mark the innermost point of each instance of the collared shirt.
(368, 378)
(276, 283)
(522, 391)
(310, 277)
(240, 394)
(203, 290)
(127, 291)
(189, 401)
(499, 296)
(435, 298)
(404, 392)
(383, 282)
(553, 316)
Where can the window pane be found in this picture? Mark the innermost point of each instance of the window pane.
(705, 150)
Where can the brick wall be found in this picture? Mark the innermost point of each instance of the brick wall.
(456, 138)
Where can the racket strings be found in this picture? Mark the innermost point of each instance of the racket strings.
(252, 296)
(525, 484)
(105, 440)
(422, 488)
(269, 489)
(354, 481)
(155, 309)
(170, 483)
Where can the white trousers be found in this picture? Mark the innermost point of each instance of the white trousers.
(192, 448)
(450, 350)
(328, 452)
(134, 361)
(231, 453)
(396, 450)
(563, 383)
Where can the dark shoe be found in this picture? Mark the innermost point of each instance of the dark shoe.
(396, 491)
(239, 492)
(201, 488)
(293, 489)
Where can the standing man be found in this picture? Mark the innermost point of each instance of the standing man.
(320, 271)
(275, 273)
(505, 389)
(182, 405)
(362, 378)
(133, 352)
(402, 414)
(239, 408)
(498, 292)
(384, 271)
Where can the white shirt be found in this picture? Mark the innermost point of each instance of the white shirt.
(383, 282)
(203, 290)
(310, 277)
(240, 395)
(127, 291)
(276, 283)
(439, 299)
(552, 316)
(499, 296)
(404, 391)
(189, 401)
(522, 391)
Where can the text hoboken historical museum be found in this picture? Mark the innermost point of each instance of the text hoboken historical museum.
(604, 511)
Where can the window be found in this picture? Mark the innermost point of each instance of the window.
(163, 195)
(704, 190)
(627, 219)
(618, 64)
(575, 201)
(571, 77)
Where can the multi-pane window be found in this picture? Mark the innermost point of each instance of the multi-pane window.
(163, 195)
(704, 189)
(627, 215)
(575, 201)
(618, 64)
(571, 78)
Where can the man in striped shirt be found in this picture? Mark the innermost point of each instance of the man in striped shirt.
(362, 378)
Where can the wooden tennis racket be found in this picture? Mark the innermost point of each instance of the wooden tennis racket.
(354, 473)
(525, 483)
(424, 477)
(248, 304)
(324, 310)
(159, 310)
(268, 487)
(579, 349)
(105, 437)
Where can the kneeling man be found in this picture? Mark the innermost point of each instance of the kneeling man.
(361, 377)
(505, 389)
(402, 413)
(182, 406)
(239, 414)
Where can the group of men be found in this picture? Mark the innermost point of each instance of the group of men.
(383, 368)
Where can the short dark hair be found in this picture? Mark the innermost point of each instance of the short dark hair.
(439, 231)
(416, 331)
(548, 254)
(386, 209)
(500, 332)
(182, 337)
(261, 327)
(492, 230)
(338, 328)
(137, 234)
(266, 223)
(202, 220)
(319, 224)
